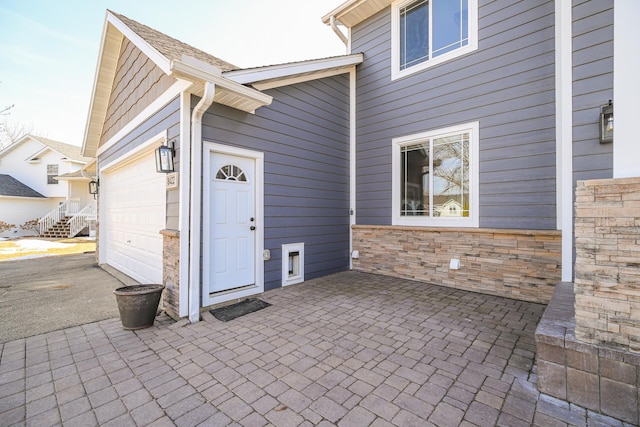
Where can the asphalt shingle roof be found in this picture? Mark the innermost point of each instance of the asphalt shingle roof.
(11, 187)
(72, 152)
(171, 48)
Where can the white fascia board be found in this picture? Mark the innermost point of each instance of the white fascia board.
(271, 84)
(285, 71)
(181, 69)
(101, 90)
(159, 59)
(37, 154)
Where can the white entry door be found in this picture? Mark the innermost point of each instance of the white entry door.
(232, 223)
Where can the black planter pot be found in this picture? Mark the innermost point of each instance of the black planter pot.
(138, 305)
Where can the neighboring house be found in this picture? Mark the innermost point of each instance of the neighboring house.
(33, 183)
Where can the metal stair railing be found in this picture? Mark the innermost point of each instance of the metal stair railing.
(81, 219)
(57, 214)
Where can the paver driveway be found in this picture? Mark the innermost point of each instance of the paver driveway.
(350, 349)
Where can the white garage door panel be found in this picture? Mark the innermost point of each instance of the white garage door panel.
(135, 213)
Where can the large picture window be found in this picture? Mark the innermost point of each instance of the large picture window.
(435, 177)
(428, 32)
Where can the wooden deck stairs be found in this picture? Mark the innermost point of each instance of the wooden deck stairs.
(59, 230)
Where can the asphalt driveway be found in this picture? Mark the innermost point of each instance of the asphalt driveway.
(47, 294)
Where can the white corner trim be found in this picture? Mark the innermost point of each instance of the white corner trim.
(175, 90)
(352, 158)
(564, 134)
(626, 88)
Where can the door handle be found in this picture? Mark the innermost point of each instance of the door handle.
(253, 227)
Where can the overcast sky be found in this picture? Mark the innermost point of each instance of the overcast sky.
(49, 49)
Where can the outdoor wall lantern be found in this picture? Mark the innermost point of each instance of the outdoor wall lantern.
(606, 123)
(164, 158)
(93, 187)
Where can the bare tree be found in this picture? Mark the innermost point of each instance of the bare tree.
(10, 132)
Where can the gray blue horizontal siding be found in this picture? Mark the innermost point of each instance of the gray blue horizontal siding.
(592, 86)
(304, 135)
(507, 85)
(166, 118)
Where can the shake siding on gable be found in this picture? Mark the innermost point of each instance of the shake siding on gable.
(592, 86)
(137, 83)
(304, 135)
(507, 85)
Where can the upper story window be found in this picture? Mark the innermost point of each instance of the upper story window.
(52, 173)
(429, 32)
(435, 178)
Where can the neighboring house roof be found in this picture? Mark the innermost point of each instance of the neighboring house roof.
(352, 12)
(11, 187)
(71, 152)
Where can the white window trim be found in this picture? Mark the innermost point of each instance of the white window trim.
(396, 73)
(473, 219)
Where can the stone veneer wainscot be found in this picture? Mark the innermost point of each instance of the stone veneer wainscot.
(519, 264)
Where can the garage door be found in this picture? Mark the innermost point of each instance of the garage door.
(135, 199)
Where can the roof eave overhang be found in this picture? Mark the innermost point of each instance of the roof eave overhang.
(105, 73)
(281, 75)
(228, 92)
(6, 196)
(352, 12)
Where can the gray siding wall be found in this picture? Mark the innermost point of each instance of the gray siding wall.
(507, 85)
(304, 135)
(168, 117)
(592, 86)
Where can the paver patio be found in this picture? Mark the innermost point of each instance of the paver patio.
(351, 349)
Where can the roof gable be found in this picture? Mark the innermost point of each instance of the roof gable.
(169, 48)
(174, 58)
(71, 152)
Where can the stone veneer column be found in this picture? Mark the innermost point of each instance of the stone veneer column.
(171, 272)
(607, 282)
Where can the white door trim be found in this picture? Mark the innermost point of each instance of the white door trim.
(258, 157)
